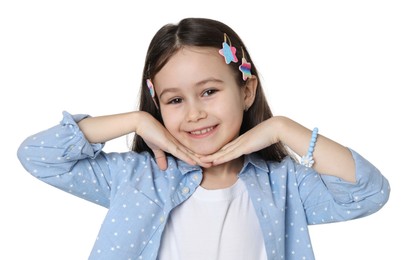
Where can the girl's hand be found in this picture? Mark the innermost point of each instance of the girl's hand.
(161, 141)
(257, 138)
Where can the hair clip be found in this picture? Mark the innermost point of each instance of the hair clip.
(152, 92)
(228, 52)
(245, 67)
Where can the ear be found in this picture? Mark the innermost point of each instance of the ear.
(250, 89)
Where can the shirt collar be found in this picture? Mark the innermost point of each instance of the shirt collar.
(185, 167)
(255, 160)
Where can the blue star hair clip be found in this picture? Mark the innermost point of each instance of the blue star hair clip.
(152, 92)
(228, 52)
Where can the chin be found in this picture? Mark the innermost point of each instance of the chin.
(204, 151)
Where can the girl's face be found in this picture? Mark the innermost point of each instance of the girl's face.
(201, 104)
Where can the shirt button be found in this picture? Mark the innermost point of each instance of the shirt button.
(185, 190)
(195, 177)
(161, 219)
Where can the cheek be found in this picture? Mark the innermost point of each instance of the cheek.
(234, 114)
(233, 106)
(170, 120)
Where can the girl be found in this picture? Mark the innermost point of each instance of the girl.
(209, 175)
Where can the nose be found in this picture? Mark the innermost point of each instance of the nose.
(195, 112)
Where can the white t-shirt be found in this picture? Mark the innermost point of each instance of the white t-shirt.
(214, 225)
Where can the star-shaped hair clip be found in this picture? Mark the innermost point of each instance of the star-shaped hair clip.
(228, 52)
(245, 67)
(152, 92)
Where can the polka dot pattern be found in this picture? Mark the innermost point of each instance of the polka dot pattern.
(287, 197)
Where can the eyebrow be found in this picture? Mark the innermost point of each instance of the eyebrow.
(200, 83)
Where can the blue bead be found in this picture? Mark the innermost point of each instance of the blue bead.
(310, 151)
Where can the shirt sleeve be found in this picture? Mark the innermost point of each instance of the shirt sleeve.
(62, 157)
(328, 198)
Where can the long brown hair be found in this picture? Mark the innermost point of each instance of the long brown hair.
(202, 32)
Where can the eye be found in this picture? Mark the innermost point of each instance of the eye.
(209, 92)
(175, 101)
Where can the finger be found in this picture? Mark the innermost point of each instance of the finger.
(195, 158)
(161, 159)
(225, 149)
(229, 152)
(188, 156)
(212, 157)
(221, 156)
(181, 153)
(227, 156)
(231, 144)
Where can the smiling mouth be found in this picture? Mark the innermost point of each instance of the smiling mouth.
(202, 131)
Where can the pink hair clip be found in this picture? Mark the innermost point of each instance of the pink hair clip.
(152, 92)
(228, 52)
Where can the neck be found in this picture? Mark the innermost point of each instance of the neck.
(221, 176)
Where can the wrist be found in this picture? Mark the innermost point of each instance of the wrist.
(138, 119)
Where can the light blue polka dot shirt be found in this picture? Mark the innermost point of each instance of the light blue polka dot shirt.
(287, 197)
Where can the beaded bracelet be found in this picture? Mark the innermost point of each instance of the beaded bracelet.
(307, 160)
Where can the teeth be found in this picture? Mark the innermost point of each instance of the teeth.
(200, 132)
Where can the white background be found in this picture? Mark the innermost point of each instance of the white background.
(343, 66)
